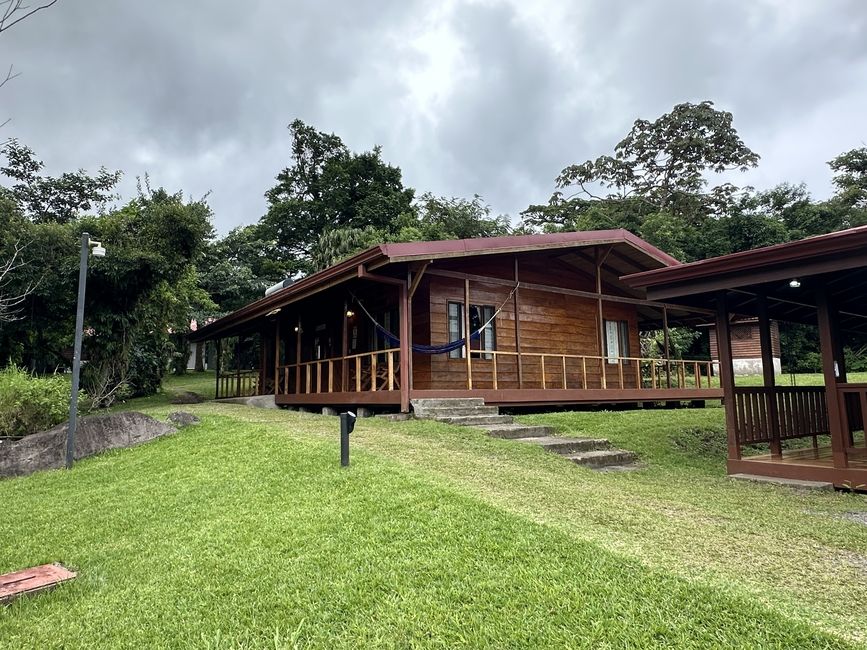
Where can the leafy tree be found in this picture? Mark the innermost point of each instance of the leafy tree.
(58, 199)
(327, 187)
(850, 177)
(457, 218)
(236, 269)
(144, 289)
(656, 183)
(431, 218)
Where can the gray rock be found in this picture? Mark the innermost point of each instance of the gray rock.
(183, 419)
(187, 397)
(94, 434)
(327, 410)
(364, 412)
(257, 401)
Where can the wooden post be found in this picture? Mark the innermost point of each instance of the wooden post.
(219, 343)
(238, 365)
(277, 356)
(727, 374)
(768, 374)
(829, 345)
(298, 333)
(599, 320)
(405, 347)
(518, 328)
(666, 352)
(467, 334)
(412, 283)
(344, 350)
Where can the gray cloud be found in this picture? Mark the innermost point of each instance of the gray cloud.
(466, 97)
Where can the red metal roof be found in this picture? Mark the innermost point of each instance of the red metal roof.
(842, 241)
(489, 245)
(428, 250)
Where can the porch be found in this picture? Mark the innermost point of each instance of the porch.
(505, 378)
(807, 432)
(525, 321)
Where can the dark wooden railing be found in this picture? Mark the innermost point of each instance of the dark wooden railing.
(237, 383)
(781, 412)
(853, 399)
(355, 373)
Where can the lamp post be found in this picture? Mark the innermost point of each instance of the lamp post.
(98, 251)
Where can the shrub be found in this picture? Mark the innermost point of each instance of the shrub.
(31, 404)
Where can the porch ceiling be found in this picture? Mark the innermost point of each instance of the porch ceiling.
(834, 263)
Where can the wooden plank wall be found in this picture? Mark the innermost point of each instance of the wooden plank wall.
(746, 341)
(549, 322)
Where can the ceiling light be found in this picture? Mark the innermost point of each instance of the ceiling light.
(794, 283)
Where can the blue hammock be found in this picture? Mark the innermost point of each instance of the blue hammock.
(426, 349)
(431, 349)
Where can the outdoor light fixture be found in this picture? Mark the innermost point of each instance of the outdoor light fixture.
(350, 313)
(794, 283)
(297, 328)
(98, 251)
(274, 312)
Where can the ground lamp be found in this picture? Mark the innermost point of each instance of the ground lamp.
(98, 251)
(347, 424)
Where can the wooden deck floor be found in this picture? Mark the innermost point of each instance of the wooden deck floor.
(820, 457)
(805, 464)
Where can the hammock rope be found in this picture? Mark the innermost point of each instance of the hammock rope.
(434, 349)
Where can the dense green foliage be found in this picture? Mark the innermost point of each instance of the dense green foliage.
(144, 289)
(31, 404)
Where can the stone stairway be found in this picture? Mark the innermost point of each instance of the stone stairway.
(595, 453)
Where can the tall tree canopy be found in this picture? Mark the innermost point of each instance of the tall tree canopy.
(328, 187)
(656, 183)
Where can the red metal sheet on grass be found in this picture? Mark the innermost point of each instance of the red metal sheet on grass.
(32, 580)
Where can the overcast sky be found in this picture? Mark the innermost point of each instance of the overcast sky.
(493, 98)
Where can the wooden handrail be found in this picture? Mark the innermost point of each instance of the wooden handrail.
(365, 373)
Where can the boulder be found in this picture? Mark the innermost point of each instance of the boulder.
(187, 397)
(94, 434)
(183, 419)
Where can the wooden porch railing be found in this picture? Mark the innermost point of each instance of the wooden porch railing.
(355, 373)
(781, 412)
(237, 383)
(573, 371)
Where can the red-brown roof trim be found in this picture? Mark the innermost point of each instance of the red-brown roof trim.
(835, 243)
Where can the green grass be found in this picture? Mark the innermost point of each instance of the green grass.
(244, 533)
(799, 379)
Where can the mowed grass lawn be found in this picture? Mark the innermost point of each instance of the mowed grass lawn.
(243, 532)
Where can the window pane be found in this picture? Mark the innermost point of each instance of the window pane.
(456, 327)
(612, 342)
(624, 338)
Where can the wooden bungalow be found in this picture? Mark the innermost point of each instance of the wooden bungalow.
(820, 281)
(746, 348)
(523, 320)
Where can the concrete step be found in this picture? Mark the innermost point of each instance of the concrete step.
(447, 401)
(566, 446)
(476, 420)
(452, 411)
(517, 431)
(602, 457)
